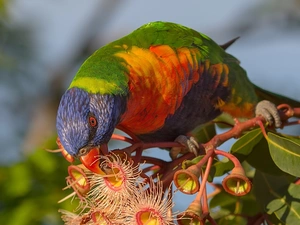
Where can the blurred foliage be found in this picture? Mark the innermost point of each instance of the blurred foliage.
(30, 189)
(3, 4)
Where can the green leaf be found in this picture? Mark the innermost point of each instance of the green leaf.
(187, 163)
(240, 205)
(224, 121)
(260, 159)
(275, 221)
(249, 170)
(244, 145)
(295, 139)
(285, 153)
(223, 200)
(287, 208)
(279, 196)
(232, 220)
(275, 205)
(219, 168)
(204, 133)
(266, 187)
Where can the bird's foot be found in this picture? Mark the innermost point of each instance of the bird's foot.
(189, 145)
(269, 111)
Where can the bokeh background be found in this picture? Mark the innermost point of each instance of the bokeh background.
(42, 44)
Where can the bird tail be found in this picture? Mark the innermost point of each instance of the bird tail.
(229, 43)
(275, 98)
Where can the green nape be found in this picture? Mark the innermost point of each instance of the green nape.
(102, 73)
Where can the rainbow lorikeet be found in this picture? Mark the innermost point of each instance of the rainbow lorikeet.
(158, 82)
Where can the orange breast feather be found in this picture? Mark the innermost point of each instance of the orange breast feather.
(159, 79)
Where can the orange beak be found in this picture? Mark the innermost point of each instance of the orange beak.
(91, 159)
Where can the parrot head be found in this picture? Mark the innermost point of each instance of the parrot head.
(86, 121)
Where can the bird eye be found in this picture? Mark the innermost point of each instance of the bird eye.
(82, 151)
(92, 121)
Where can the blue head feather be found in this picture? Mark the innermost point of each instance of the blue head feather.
(72, 122)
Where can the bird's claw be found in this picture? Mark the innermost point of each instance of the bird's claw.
(269, 111)
(190, 145)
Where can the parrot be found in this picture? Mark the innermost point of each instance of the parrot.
(158, 82)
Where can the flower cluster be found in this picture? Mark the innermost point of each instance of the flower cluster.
(114, 188)
(117, 195)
